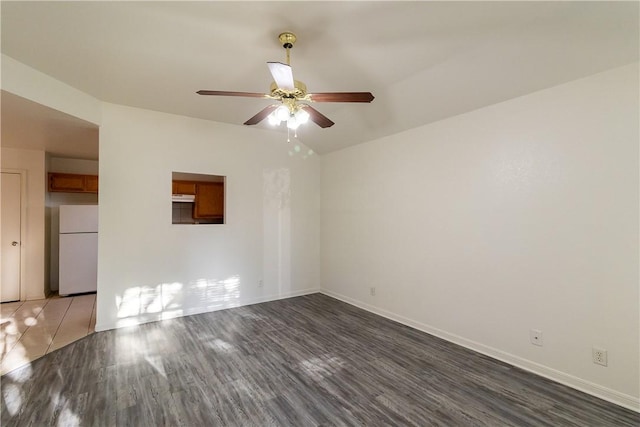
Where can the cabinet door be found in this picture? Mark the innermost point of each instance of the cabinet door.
(66, 182)
(72, 183)
(184, 187)
(209, 200)
(91, 183)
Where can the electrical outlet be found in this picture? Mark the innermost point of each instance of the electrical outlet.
(372, 291)
(260, 283)
(599, 356)
(535, 336)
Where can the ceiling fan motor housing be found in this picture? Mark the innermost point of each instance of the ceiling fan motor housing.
(299, 92)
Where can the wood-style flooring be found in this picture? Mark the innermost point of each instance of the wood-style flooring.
(305, 361)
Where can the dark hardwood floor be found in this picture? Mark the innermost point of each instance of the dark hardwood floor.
(303, 361)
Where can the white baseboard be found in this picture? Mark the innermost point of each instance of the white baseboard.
(588, 387)
(155, 317)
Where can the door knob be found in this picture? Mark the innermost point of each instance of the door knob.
(14, 243)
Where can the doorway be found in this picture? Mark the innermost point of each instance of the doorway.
(11, 233)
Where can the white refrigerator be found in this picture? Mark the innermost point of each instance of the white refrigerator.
(78, 269)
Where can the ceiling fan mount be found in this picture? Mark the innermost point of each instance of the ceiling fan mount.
(287, 39)
(292, 94)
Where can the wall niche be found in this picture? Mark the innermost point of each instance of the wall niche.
(197, 198)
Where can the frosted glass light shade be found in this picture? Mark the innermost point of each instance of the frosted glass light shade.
(282, 113)
(292, 123)
(273, 120)
(302, 116)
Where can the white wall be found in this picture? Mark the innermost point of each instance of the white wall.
(33, 162)
(518, 216)
(149, 269)
(55, 199)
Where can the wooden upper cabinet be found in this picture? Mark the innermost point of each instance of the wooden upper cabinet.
(184, 187)
(73, 183)
(91, 183)
(209, 201)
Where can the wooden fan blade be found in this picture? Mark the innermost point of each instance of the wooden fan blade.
(261, 115)
(342, 97)
(282, 74)
(317, 117)
(226, 93)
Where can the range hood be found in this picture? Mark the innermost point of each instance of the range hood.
(183, 198)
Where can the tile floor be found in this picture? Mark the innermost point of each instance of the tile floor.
(31, 329)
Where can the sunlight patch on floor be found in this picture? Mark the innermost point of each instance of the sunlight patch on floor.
(319, 368)
(221, 346)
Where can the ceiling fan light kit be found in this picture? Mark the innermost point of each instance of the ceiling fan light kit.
(294, 119)
(294, 108)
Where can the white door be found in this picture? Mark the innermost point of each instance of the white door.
(10, 237)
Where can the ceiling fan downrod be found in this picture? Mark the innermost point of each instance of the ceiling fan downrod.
(288, 40)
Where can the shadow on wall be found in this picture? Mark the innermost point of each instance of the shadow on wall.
(142, 304)
(148, 303)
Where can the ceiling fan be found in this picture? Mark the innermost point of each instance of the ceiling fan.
(294, 108)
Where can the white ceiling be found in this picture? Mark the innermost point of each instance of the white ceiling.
(32, 126)
(423, 61)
